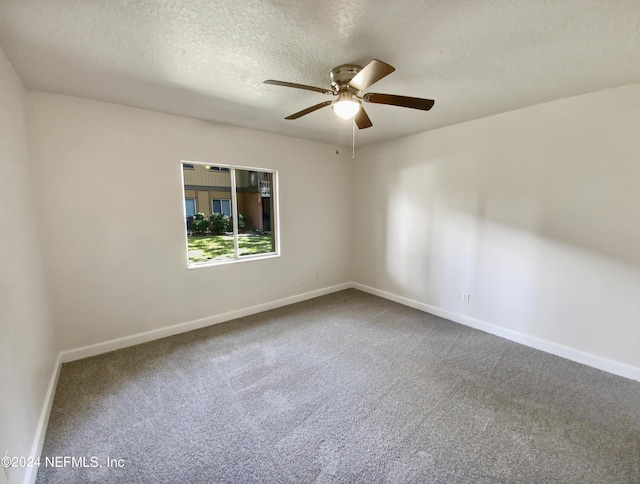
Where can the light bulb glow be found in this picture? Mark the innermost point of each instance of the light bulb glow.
(346, 108)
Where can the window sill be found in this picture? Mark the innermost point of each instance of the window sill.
(220, 262)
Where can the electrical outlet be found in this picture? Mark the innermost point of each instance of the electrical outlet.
(466, 297)
(304, 279)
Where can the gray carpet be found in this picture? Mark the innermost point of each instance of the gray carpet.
(343, 388)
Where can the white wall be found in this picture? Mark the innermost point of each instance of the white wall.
(26, 338)
(535, 213)
(111, 210)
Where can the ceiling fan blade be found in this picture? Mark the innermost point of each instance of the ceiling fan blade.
(299, 86)
(362, 120)
(403, 101)
(309, 110)
(372, 72)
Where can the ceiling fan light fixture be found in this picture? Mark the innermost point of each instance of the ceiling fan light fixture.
(346, 107)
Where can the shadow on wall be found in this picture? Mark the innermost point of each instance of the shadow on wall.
(498, 230)
(533, 213)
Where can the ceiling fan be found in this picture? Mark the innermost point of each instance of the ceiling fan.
(347, 83)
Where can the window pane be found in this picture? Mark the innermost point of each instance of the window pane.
(225, 207)
(208, 239)
(256, 230)
(190, 206)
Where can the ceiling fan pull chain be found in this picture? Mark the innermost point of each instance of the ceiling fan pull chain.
(337, 138)
(353, 139)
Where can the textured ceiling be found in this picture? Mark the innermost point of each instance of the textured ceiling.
(207, 59)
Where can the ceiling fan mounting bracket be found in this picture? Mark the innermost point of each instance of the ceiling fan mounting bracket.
(342, 75)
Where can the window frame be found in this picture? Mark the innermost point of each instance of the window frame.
(275, 215)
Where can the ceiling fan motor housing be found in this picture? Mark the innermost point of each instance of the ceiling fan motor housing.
(342, 75)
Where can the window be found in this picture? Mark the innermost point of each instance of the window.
(238, 217)
(190, 206)
(222, 206)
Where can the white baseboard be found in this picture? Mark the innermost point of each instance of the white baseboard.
(604, 364)
(135, 339)
(43, 422)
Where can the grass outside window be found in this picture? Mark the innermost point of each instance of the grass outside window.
(204, 248)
